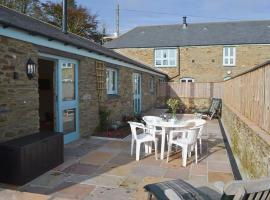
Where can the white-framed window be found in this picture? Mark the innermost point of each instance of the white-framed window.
(229, 56)
(161, 80)
(111, 80)
(151, 85)
(186, 80)
(165, 57)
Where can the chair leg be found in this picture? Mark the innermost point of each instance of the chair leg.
(196, 153)
(200, 140)
(150, 147)
(169, 151)
(155, 142)
(138, 148)
(132, 146)
(184, 155)
(190, 149)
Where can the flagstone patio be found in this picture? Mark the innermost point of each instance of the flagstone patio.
(103, 169)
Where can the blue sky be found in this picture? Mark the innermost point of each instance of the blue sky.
(149, 12)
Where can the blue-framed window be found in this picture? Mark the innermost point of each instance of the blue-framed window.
(151, 85)
(112, 81)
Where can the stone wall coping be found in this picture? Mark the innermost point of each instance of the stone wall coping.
(260, 132)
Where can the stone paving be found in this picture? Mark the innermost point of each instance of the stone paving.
(102, 169)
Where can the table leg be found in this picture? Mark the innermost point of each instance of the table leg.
(163, 136)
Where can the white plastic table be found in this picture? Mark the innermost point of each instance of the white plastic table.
(166, 125)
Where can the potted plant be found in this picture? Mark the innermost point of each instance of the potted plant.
(173, 104)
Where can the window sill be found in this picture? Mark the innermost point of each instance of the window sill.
(229, 65)
(113, 96)
(165, 66)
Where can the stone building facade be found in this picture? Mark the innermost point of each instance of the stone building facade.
(19, 99)
(203, 63)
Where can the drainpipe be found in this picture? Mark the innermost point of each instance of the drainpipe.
(64, 17)
(178, 73)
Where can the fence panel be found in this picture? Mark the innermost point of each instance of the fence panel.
(248, 94)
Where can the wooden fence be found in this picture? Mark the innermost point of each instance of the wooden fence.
(194, 90)
(248, 93)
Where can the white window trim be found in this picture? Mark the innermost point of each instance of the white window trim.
(162, 49)
(186, 79)
(229, 57)
(109, 81)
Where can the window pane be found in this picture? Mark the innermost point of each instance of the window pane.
(158, 62)
(113, 81)
(226, 51)
(172, 53)
(189, 80)
(69, 121)
(68, 83)
(231, 61)
(172, 62)
(165, 53)
(107, 79)
(158, 53)
(165, 62)
(226, 61)
(231, 51)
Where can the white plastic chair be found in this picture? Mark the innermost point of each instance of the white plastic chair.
(185, 138)
(146, 136)
(149, 120)
(198, 123)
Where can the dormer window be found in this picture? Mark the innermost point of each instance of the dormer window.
(165, 57)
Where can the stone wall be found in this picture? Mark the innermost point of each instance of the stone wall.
(19, 99)
(122, 104)
(204, 63)
(88, 101)
(249, 143)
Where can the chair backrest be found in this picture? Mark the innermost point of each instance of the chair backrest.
(134, 126)
(215, 105)
(150, 119)
(200, 123)
(192, 135)
(259, 188)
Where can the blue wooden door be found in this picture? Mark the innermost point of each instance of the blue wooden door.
(67, 99)
(137, 93)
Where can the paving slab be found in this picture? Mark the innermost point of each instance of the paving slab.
(70, 190)
(49, 180)
(102, 193)
(96, 158)
(82, 169)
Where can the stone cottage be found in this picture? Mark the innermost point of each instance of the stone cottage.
(51, 80)
(201, 52)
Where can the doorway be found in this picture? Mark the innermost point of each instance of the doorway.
(46, 88)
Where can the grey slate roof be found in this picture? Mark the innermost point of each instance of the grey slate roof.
(15, 19)
(201, 34)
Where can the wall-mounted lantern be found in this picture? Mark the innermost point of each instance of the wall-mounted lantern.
(31, 69)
